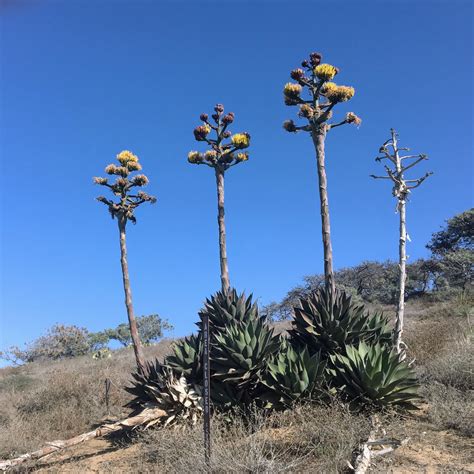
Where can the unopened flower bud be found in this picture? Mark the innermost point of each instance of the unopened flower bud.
(297, 74)
(201, 132)
(219, 108)
(305, 63)
(204, 117)
(194, 157)
(227, 134)
(228, 118)
(315, 59)
(289, 126)
(98, 180)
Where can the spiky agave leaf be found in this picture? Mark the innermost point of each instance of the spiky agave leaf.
(223, 308)
(326, 322)
(374, 375)
(186, 358)
(163, 388)
(241, 352)
(292, 374)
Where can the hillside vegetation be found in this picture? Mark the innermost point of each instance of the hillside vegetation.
(43, 401)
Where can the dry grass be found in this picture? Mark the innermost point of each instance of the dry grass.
(307, 438)
(56, 400)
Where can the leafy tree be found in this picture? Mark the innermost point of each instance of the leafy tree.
(221, 156)
(323, 95)
(123, 209)
(395, 171)
(457, 235)
(59, 342)
(150, 329)
(458, 267)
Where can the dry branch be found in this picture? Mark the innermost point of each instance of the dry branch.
(147, 417)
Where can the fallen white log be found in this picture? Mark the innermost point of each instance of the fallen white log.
(147, 417)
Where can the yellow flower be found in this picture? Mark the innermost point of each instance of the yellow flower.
(242, 156)
(210, 155)
(292, 90)
(329, 88)
(240, 140)
(325, 72)
(337, 93)
(126, 156)
(194, 156)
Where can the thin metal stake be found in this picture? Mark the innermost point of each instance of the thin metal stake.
(107, 390)
(207, 390)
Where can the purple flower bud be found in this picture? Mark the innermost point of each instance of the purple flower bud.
(219, 108)
(201, 132)
(229, 118)
(227, 134)
(215, 117)
(204, 117)
(305, 63)
(315, 58)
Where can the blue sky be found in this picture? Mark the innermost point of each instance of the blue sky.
(83, 80)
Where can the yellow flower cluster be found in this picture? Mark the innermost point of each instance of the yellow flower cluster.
(242, 156)
(336, 93)
(325, 72)
(125, 156)
(292, 90)
(210, 155)
(193, 156)
(240, 140)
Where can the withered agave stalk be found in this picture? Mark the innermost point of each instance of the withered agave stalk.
(397, 166)
(126, 188)
(225, 151)
(316, 111)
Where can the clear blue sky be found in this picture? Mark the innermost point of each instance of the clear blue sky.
(82, 80)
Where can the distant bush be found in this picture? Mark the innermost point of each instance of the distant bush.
(59, 342)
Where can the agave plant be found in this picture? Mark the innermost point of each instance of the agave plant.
(242, 350)
(159, 386)
(225, 307)
(374, 375)
(292, 374)
(186, 358)
(327, 320)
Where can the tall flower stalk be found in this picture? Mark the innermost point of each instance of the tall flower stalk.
(316, 110)
(395, 172)
(126, 189)
(225, 151)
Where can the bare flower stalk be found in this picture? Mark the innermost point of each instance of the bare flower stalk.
(221, 156)
(317, 110)
(123, 209)
(402, 187)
